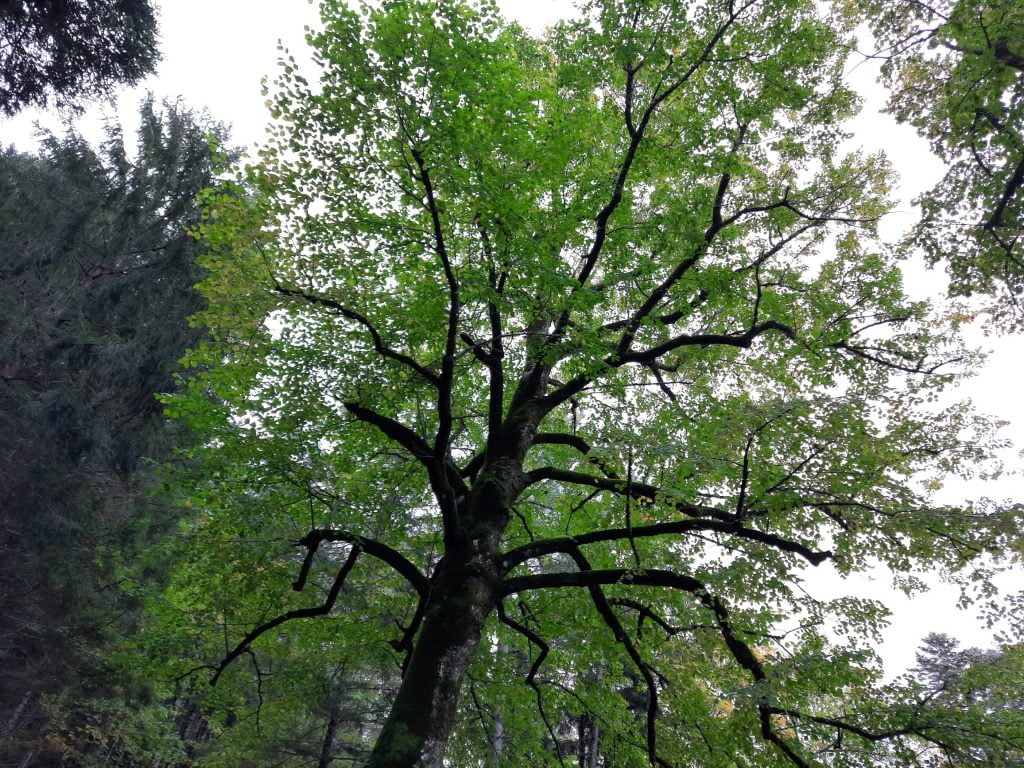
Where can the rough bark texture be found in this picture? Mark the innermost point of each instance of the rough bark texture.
(417, 729)
(463, 594)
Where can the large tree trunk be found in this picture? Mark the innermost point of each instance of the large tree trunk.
(462, 596)
(416, 731)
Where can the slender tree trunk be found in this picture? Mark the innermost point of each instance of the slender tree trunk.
(416, 731)
(330, 737)
(12, 723)
(587, 743)
(499, 738)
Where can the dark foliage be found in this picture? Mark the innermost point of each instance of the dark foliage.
(58, 51)
(96, 276)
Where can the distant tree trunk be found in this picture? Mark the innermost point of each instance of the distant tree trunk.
(12, 722)
(330, 735)
(498, 741)
(586, 749)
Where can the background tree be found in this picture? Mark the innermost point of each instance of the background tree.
(982, 692)
(562, 359)
(957, 74)
(61, 51)
(95, 288)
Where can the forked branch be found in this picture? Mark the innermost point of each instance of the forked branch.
(701, 518)
(312, 541)
(299, 613)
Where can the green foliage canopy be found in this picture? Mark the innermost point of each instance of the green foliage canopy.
(957, 74)
(563, 359)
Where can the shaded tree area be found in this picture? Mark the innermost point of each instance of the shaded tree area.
(61, 52)
(546, 369)
(956, 70)
(96, 276)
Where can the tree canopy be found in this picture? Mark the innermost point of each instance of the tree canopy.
(957, 75)
(57, 52)
(551, 367)
(96, 276)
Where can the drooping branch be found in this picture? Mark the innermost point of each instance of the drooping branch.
(530, 635)
(746, 658)
(641, 491)
(842, 725)
(531, 681)
(646, 612)
(608, 615)
(740, 651)
(299, 613)
(312, 541)
(878, 355)
(378, 342)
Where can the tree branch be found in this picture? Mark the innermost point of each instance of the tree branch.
(312, 541)
(444, 395)
(378, 343)
(646, 612)
(299, 613)
(538, 641)
(636, 137)
(444, 475)
(565, 544)
(704, 518)
(743, 340)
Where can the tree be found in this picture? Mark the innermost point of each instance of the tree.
(95, 288)
(957, 73)
(975, 686)
(60, 51)
(563, 359)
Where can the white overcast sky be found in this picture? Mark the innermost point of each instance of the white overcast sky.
(216, 51)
